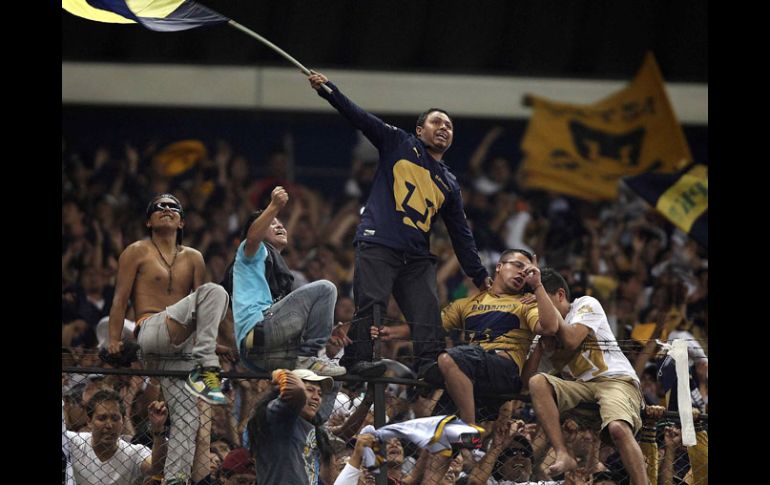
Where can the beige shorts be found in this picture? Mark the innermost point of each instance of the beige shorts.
(619, 398)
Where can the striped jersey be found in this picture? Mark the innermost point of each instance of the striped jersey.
(494, 322)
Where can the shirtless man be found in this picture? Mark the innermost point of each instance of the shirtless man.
(178, 319)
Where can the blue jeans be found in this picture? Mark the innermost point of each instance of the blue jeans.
(300, 323)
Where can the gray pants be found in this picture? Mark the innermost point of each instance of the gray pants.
(299, 324)
(209, 302)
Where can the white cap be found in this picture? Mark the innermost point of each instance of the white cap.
(325, 382)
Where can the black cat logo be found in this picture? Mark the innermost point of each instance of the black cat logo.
(593, 144)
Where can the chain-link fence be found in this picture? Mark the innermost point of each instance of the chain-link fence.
(135, 426)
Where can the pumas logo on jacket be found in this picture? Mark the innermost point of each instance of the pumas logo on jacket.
(416, 195)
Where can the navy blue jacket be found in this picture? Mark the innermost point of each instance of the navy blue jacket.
(410, 188)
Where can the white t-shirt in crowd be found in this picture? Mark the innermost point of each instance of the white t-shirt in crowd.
(600, 355)
(123, 468)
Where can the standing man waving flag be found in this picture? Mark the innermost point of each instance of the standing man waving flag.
(411, 187)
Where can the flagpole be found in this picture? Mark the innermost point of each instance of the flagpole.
(277, 49)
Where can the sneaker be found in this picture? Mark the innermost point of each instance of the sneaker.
(204, 383)
(367, 369)
(320, 367)
(431, 374)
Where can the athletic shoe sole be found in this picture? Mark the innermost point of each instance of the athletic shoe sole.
(327, 373)
(210, 400)
(375, 370)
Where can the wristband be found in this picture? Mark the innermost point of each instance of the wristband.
(280, 377)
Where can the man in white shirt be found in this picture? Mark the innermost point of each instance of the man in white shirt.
(101, 457)
(601, 371)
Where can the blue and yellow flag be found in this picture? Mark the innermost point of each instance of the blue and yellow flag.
(159, 15)
(683, 197)
(584, 150)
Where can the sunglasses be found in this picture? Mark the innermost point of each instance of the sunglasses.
(172, 206)
(511, 452)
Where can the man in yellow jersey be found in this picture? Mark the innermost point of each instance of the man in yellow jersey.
(499, 330)
(602, 373)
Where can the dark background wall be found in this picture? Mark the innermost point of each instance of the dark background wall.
(593, 39)
(603, 39)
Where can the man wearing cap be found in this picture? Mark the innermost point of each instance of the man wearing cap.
(178, 319)
(285, 431)
(238, 468)
(508, 458)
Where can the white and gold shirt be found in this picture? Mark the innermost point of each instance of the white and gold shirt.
(599, 355)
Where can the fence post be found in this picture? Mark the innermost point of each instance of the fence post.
(379, 395)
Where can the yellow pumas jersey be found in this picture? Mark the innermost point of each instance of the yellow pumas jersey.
(494, 322)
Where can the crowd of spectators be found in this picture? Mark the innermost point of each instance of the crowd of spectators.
(650, 277)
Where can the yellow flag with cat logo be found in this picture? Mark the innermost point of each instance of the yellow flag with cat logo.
(584, 150)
